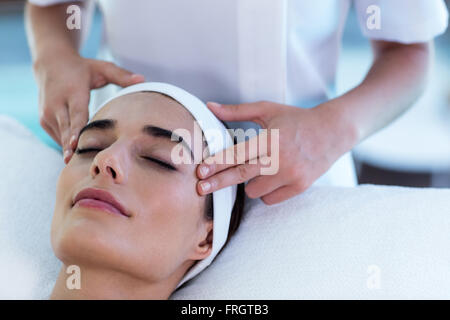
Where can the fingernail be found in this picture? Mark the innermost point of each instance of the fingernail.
(72, 140)
(205, 186)
(204, 170)
(137, 76)
(214, 104)
(66, 155)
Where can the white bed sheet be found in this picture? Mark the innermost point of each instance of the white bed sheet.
(368, 242)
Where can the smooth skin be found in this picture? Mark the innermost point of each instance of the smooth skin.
(145, 255)
(311, 140)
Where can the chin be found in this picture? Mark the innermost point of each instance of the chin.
(84, 241)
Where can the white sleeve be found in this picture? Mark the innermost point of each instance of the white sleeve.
(44, 3)
(405, 21)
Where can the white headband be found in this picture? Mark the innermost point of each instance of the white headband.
(223, 200)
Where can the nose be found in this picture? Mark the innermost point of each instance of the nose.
(108, 163)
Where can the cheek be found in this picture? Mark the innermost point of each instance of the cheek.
(155, 242)
(172, 208)
(167, 225)
(66, 184)
(171, 194)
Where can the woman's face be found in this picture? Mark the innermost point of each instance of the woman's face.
(164, 229)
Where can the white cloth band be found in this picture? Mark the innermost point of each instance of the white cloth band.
(223, 200)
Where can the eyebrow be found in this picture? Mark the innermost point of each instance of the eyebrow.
(150, 130)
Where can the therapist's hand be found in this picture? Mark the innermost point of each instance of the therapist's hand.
(65, 81)
(310, 141)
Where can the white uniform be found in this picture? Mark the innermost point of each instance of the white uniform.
(235, 51)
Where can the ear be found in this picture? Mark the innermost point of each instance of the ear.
(203, 246)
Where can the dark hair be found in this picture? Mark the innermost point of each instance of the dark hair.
(238, 208)
(235, 219)
(236, 213)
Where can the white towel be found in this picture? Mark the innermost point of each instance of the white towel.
(30, 169)
(367, 242)
(329, 242)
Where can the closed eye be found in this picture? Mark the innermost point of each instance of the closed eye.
(81, 151)
(161, 163)
(158, 162)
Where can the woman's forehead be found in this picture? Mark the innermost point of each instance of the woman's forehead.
(147, 108)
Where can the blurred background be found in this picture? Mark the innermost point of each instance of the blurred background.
(412, 151)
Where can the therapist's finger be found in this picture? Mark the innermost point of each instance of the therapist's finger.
(258, 112)
(62, 118)
(237, 154)
(117, 75)
(232, 176)
(79, 115)
(51, 131)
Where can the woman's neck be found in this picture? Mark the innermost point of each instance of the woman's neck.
(86, 283)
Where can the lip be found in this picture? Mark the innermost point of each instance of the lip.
(100, 199)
